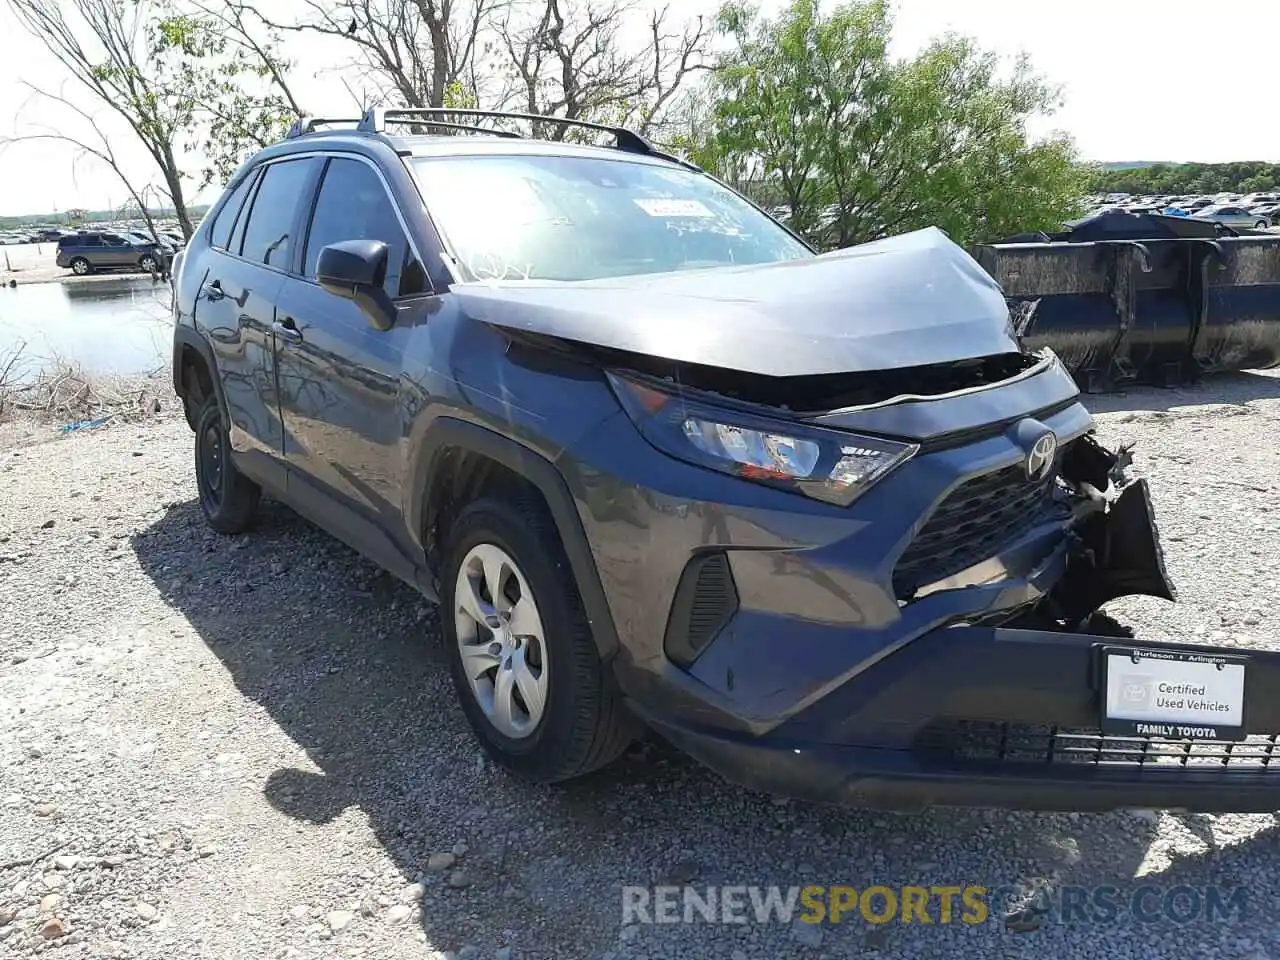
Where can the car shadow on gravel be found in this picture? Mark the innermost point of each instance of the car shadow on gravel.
(347, 662)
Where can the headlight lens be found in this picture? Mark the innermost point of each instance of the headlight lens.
(824, 464)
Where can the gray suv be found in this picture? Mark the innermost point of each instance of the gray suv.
(820, 520)
(89, 251)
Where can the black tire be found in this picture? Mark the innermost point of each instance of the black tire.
(80, 266)
(228, 499)
(148, 263)
(585, 724)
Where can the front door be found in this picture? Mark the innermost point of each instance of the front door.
(116, 252)
(340, 379)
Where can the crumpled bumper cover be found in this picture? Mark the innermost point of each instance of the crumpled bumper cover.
(889, 737)
(969, 714)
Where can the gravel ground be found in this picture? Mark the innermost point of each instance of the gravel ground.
(249, 747)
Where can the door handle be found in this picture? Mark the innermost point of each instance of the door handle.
(213, 290)
(286, 329)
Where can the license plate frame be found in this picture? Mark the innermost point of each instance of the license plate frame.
(1208, 676)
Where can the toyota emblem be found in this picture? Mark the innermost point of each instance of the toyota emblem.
(1040, 459)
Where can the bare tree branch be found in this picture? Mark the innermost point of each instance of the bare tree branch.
(109, 54)
(102, 150)
(571, 61)
(386, 34)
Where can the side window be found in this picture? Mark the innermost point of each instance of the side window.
(353, 205)
(220, 233)
(268, 236)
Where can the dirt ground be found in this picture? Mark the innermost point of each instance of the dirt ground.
(217, 747)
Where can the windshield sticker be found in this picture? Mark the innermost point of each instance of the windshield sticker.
(674, 208)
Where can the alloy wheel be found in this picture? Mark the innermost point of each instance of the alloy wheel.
(501, 640)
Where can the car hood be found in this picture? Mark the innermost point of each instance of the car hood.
(905, 301)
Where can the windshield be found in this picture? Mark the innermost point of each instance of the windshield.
(577, 218)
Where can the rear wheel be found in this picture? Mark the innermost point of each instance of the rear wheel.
(80, 266)
(520, 648)
(228, 499)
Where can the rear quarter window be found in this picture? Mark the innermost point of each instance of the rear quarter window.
(225, 222)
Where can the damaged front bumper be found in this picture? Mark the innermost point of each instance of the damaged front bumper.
(1006, 712)
(989, 716)
(979, 715)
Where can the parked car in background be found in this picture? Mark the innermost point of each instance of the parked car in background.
(1267, 211)
(1235, 217)
(83, 253)
(166, 245)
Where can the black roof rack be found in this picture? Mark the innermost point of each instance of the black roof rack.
(375, 120)
(305, 125)
(468, 127)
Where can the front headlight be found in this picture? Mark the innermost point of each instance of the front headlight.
(824, 464)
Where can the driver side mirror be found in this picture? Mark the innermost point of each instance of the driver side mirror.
(356, 270)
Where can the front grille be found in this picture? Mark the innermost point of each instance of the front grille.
(1009, 743)
(971, 524)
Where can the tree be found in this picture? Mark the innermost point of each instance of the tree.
(566, 58)
(857, 145)
(110, 47)
(390, 53)
(181, 77)
(228, 64)
(96, 144)
(1242, 176)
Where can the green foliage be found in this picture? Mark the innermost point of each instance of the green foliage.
(809, 111)
(458, 96)
(237, 107)
(1248, 176)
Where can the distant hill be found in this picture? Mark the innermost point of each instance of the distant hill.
(1242, 176)
(1134, 164)
(92, 216)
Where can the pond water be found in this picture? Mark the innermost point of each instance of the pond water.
(106, 325)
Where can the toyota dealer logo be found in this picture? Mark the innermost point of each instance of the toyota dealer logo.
(1040, 459)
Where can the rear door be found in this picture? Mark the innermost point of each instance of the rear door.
(340, 379)
(252, 245)
(90, 246)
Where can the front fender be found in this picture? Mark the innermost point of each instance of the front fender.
(445, 434)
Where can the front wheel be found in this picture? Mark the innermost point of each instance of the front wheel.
(228, 498)
(148, 263)
(520, 648)
(1261, 225)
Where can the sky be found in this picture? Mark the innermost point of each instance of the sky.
(1134, 87)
